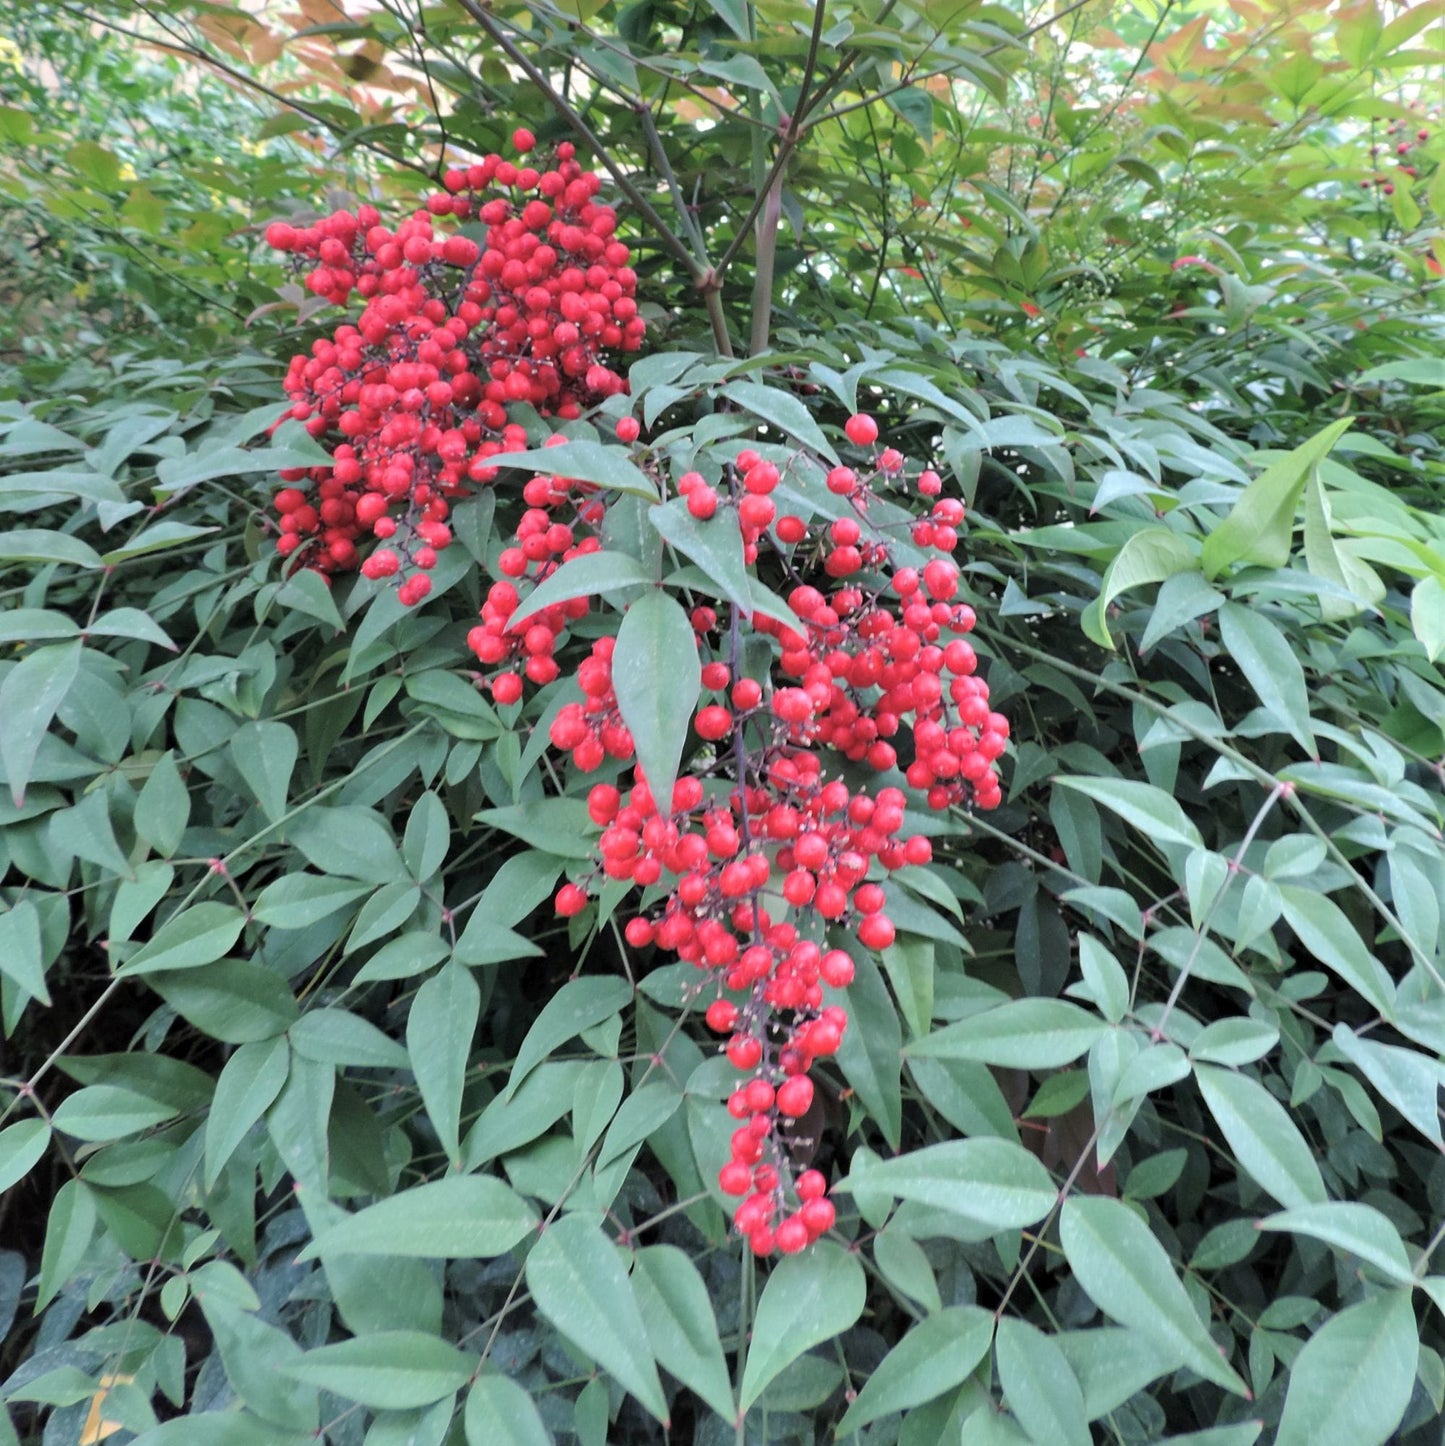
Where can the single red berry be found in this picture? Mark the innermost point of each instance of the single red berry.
(735, 1178)
(795, 1096)
(791, 1236)
(818, 1216)
(722, 1016)
(862, 430)
(811, 1185)
(714, 722)
(571, 899)
(744, 1051)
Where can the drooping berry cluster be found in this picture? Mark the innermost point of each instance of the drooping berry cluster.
(413, 393)
(768, 857)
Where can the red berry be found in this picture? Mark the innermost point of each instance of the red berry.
(818, 1216)
(722, 1016)
(862, 430)
(735, 1178)
(571, 899)
(744, 1051)
(791, 1236)
(713, 722)
(811, 1185)
(795, 1096)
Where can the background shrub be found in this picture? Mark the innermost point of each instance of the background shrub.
(298, 1050)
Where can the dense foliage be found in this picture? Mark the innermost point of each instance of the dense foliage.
(985, 469)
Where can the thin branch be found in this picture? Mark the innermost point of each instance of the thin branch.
(679, 201)
(792, 134)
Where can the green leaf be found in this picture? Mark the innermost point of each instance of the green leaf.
(1103, 974)
(295, 900)
(31, 694)
(1323, 928)
(163, 807)
(35, 625)
(349, 841)
(1124, 1270)
(784, 411)
(208, 463)
(196, 936)
(22, 959)
(68, 1233)
(656, 643)
(1265, 1141)
(1406, 1078)
(1150, 810)
(681, 1326)
(43, 548)
(232, 1000)
(1022, 1034)
(265, 755)
(454, 702)
(256, 1356)
(1038, 1386)
(131, 623)
(306, 592)
(439, 1033)
(1233, 1041)
(21, 1145)
(809, 1298)
(589, 575)
(641, 1114)
(1427, 615)
(387, 1370)
(108, 1112)
(910, 965)
(500, 1413)
(1271, 668)
(250, 1081)
(716, 546)
(1149, 555)
(1332, 564)
(459, 1217)
(996, 1182)
(155, 538)
(935, 1355)
(222, 1428)
(86, 832)
(869, 1053)
(428, 835)
(575, 1007)
(608, 467)
(1260, 525)
(558, 826)
(521, 883)
(1358, 1230)
(1351, 1383)
(336, 1036)
(578, 1284)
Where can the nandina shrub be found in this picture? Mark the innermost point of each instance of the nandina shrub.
(764, 849)
(402, 1070)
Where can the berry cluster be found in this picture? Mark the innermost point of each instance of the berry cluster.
(414, 392)
(1402, 138)
(765, 856)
